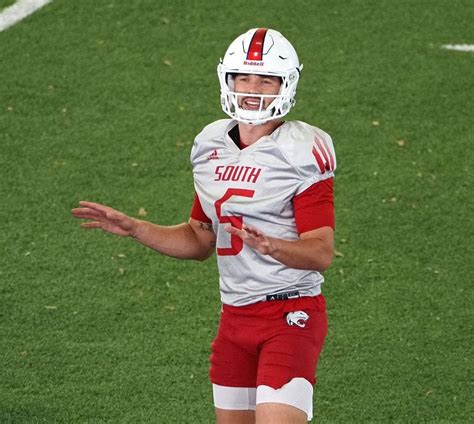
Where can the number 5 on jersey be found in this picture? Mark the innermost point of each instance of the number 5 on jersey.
(236, 243)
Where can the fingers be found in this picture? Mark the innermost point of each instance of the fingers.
(98, 214)
(90, 210)
(96, 206)
(86, 213)
(246, 232)
(93, 224)
(253, 231)
(235, 231)
(252, 237)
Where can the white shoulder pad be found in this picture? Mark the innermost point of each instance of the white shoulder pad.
(215, 131)
(309, 149)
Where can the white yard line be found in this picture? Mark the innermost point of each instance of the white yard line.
(18, 11)
(459, 47)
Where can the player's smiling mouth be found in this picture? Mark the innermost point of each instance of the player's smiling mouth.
(251, 103)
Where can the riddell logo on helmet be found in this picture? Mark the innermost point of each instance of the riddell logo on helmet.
(248, 62)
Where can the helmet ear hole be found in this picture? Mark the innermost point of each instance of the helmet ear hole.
(293, 76)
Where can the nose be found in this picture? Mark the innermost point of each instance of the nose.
(253, 85)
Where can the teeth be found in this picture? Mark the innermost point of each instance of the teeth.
(252, 102)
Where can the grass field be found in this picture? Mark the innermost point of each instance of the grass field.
(101, 101)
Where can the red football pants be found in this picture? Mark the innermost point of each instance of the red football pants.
(260, 345)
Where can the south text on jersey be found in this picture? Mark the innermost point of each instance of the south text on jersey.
(247, 174)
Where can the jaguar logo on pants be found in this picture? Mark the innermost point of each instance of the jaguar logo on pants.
(298, 318)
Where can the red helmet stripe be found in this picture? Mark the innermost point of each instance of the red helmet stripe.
(255, 51)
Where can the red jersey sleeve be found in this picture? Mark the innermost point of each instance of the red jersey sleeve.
(314, 207)
(197, 213)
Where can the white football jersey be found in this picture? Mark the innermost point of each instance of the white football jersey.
(255, 186)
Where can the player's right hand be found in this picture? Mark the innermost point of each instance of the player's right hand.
(108, 219)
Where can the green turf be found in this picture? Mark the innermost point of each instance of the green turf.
(101, 101)
(6, 3)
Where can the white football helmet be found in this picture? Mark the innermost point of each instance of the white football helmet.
(259, 51)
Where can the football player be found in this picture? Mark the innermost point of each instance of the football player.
(264, 204)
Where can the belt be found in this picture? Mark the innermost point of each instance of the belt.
(283, 296)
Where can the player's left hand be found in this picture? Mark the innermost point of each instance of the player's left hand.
(253, 237)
